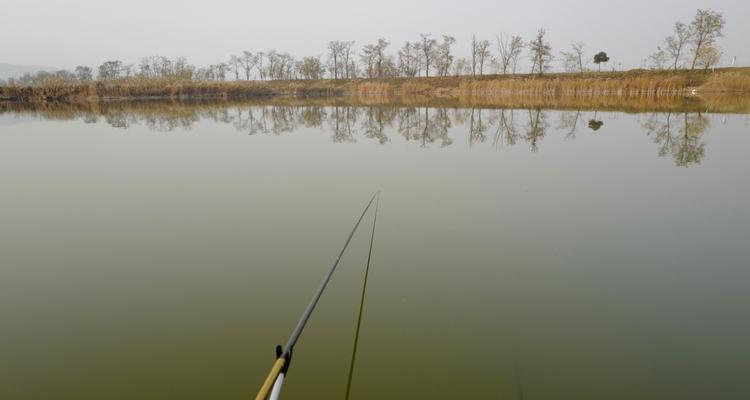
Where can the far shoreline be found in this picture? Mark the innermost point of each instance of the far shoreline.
(625, 84)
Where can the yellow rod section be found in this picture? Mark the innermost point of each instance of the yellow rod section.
(268, 384)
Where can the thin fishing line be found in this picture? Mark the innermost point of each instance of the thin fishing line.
(362, 303)
(310, 307)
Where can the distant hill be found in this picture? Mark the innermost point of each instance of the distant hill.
(16, 71)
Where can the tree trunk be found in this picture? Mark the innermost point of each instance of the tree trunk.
(580, 63)
(698, 49)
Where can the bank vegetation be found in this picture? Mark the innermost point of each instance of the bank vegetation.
(628, 84)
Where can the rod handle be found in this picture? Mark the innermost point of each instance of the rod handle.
(271, 378)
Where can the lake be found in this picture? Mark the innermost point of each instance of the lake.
(161, 250)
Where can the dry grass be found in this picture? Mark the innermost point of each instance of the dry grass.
(728, 82)
(376, 89)
(134, 88)
(581, 87)
(416, 88)
(630, 84)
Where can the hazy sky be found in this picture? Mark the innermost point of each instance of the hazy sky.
(66, 33)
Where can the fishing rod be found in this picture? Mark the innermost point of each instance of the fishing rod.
(275, 377)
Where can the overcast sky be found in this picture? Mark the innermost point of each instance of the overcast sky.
(68, 33)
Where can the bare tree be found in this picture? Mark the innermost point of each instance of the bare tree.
(483, 54)
(346, 53)
(388, 67)
(335, 50)
(474, 55)
(461, 67)
(127, 70)
(573, 60)
(352, 70)
(221, 71)
(708, 57)
(235, 65)
(674, 45)
(381, 62)
(84, 74)
(427, 52)
(408, 60)
(164, 66)
(65, 75)
(147, 68)
(110, 70)
(443, 56)
(339, 58)
(311, 68)
(181, 68)
(249, 61)
(272, 57)
(569, 61)
(260, 57)
(284, 67)
(375, 60)
(658, 59)
(159, 67)
(509, 49)
(367, 56)
(480, 53)
(706, 28)
(540, 53)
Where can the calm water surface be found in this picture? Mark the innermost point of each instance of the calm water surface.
(154, 253)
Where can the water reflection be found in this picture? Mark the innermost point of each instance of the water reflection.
(678, 135)
(506, 129)
(595, 124)
(568, 123)
(426, 126)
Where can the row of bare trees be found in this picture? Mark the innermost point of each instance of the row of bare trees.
(690, 45)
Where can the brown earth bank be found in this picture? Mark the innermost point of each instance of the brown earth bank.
(635, 84)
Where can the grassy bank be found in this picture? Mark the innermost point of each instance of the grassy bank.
(627, 84)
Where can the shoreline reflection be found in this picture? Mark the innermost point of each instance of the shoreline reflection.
(678, 135)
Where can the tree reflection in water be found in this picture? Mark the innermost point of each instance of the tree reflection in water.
(537, 128)
(477, 128)
(506, 129)
(424, 125)
(341, 122)
(568, 123)
(677, 134)
(375, 121)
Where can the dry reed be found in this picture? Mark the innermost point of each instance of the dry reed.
(628, 85)
(727, 83)
(583, 87)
